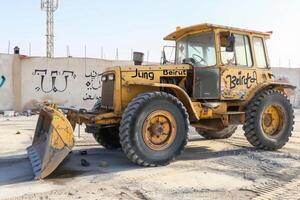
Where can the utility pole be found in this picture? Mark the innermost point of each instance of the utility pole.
(8, 48)
(29, 49)
(68, 51)
(50, 6)
(147, 56)
(117, 54)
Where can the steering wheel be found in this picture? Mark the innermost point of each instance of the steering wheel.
(199, 58)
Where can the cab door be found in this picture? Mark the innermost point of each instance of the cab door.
(237, 75)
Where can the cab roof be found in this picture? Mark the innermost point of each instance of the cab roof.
(181, 32)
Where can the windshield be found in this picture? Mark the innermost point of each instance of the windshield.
(200, 49)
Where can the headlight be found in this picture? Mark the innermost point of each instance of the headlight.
(103, 78)
(111, 77)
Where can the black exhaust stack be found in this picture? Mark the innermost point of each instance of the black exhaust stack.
(138, 58)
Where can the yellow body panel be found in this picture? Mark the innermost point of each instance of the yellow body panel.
(62, 131)
(238, 82)
(134, 77)
(182, 32)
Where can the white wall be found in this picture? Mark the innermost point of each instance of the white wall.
(292, 76)
(6, 82)
(67, 81)
(70, 81)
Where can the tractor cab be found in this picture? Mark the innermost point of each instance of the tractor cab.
(227, 62)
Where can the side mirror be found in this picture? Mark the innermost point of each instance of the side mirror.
(138, 58)
(231, 42)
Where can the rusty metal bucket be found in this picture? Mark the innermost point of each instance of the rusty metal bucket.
(53, 141)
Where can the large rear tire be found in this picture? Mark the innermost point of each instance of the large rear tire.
(269, 120)
(108, 137)
(222, 134)
(154, 128)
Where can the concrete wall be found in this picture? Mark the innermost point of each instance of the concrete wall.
(71, 81)
(292, 76)
(65, 81)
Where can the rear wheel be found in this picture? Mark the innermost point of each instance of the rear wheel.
(154, 128)
(108, 137)
(269, 120)
(222, 134)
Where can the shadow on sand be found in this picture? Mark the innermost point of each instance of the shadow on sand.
(101, 161)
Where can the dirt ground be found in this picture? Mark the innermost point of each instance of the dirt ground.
(208, 169)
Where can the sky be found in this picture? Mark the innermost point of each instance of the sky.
(141, 25)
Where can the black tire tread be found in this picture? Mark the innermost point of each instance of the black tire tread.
(249, 126)
(109, 139)
(127, 120)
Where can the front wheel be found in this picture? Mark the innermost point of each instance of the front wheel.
(269, 120)
(154, 129)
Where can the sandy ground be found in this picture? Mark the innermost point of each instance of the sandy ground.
(215, 169)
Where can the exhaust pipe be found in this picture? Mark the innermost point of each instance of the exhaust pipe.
(138, 58)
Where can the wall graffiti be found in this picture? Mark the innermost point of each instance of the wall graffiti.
(53, 76)
(242, 79)
(2, 80)
(93, 86)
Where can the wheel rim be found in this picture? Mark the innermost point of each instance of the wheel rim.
(159, 130)
(272, 120)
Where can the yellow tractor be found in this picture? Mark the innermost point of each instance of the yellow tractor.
(220, 78)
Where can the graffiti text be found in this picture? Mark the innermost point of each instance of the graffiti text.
(2, 81)
(62, 76)
(141, 74)
(247, 80)
(93, 85)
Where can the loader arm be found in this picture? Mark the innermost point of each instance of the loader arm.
(79, 116)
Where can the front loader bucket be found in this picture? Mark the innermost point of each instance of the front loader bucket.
(53, 141)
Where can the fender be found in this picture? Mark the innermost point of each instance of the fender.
(271, 85)
(180, 94)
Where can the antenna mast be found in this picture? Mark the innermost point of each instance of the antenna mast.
(50, 6)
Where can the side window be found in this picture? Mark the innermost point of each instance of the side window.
(259, 50)
(181, 51)
(242, 50)
(241, 55)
